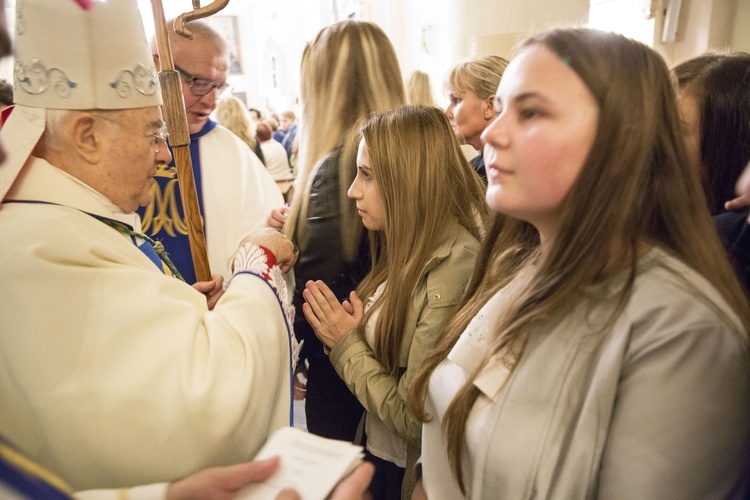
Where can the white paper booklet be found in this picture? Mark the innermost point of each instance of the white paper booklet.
(310, 464)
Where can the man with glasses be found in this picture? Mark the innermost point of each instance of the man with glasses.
(235, 191)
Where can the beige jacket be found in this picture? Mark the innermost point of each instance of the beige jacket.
(438, 292)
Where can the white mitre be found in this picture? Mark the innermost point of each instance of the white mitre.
(74, 54)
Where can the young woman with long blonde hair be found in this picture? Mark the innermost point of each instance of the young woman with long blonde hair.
(602, 347)
(233, 114)
(419, 89)
(348, 71)
(424, 208)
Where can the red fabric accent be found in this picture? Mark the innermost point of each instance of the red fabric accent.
(5, 114)
(270, 262)
(270, 257)
(85, 4)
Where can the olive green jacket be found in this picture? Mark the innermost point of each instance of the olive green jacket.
(438, 292)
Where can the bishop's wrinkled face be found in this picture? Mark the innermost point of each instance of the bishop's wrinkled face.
(135, 149)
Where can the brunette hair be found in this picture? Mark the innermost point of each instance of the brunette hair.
(348, 71)
(255, 114)
(636, 187)
(263, 132)
(720, 83)
(424, 180)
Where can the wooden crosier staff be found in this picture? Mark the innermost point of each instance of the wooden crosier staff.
(177, 126)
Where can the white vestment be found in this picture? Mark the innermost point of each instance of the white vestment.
(238, 195)
(114, 374)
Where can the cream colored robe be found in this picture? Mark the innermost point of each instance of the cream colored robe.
(113, 374)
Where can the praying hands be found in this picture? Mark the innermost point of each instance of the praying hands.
(330, 319)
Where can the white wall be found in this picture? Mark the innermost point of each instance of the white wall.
(741, 27)
(442, 33)
(702, 25)
(430, 35)
(273, 35)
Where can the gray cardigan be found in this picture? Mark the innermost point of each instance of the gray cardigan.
(653, 406)
(656, 405)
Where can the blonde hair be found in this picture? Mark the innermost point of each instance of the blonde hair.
(636, 186)
(232, 113)
(424, 180)
(418, 89)
(348, 71)
(480, 75)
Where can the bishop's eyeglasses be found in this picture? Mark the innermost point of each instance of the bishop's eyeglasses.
(157, 140)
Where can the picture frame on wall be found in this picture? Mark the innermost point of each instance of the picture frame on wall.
(228, 28)
(242, 96)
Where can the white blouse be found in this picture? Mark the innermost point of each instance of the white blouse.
(448, 378)
(381, 442)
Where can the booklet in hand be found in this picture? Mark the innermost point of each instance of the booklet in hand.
(310, 464)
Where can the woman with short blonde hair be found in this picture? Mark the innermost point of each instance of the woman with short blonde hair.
(471, 87)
